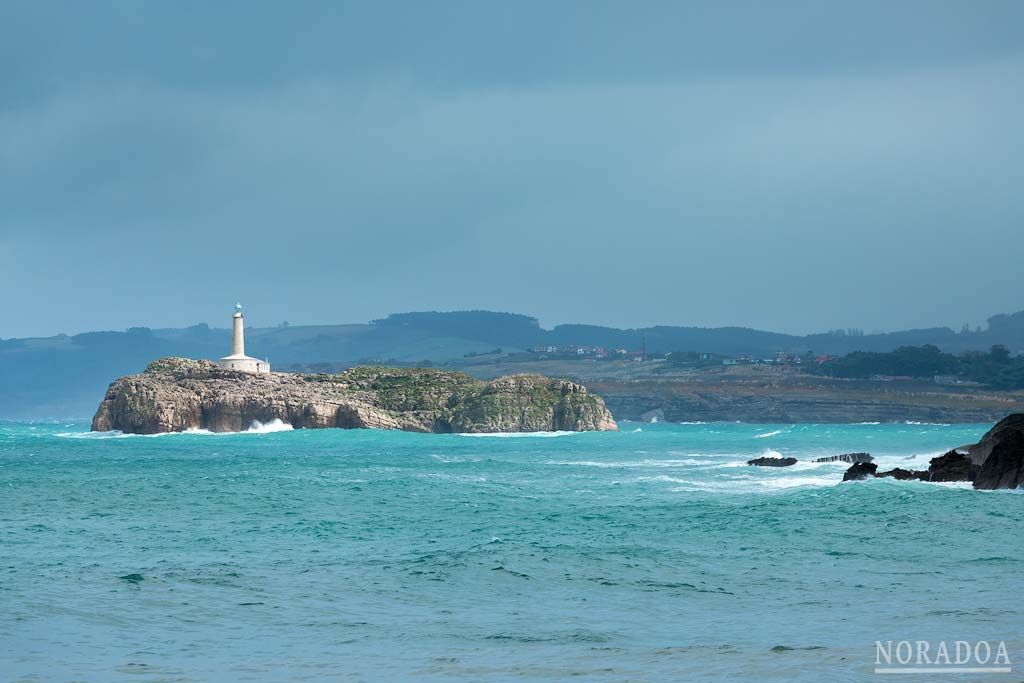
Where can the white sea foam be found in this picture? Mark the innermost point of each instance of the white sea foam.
(663, 477)
(908, 461)
(275, 425)
(91, 435)
(927, 424)
(740, 485)
(730, 465)
(117, 434)
(256, 427)
(793, 482)
(767, 434)
(952, 484)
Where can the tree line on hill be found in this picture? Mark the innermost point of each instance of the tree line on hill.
(997, 368)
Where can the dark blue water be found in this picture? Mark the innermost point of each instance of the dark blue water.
(653, 554)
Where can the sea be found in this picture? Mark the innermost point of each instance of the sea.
(650, 554)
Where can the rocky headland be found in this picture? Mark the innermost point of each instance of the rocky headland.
(177, 394)
(995, 462)
(767, 394)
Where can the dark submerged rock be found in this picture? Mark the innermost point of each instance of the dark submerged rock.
(1002, 430)
(1004, 466)
(904, 475)
(860, 470)
(952, 466)
(995, 462)
(846, 457)
(772, 462)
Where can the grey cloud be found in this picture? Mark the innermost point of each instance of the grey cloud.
(718, 188)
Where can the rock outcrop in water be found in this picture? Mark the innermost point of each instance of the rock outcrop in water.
(769, 461)
(995, 462)
(860, 470)
(846, 457)
(952, 466)
(176, 394)
(903, 475)
(999, 456)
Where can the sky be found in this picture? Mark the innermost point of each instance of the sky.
(791, 166)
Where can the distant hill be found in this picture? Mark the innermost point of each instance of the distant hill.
(65, 376)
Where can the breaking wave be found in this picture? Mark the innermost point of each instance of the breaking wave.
(275, 425)
(518, 435)
(256, 427)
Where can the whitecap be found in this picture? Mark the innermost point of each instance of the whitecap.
(629, 463)
(767, 434)
(759, 485)
(117, 434)
(663, 477)
(275, 425)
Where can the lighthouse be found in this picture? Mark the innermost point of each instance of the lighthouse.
(238, 360)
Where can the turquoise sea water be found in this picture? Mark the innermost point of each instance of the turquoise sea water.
(652, 554)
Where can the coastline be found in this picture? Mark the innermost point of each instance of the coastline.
(760, 395)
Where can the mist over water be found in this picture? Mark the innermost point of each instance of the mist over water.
(654, 553)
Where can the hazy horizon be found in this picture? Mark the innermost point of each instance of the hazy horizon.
(224, 322)
(795, 167)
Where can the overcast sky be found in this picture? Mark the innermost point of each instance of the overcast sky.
(794, 166)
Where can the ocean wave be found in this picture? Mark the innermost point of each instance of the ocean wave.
(517, 435)
(256, 427)
(795, 482)
(118, 434)
(275, 425)
(755, 485)
(927, 424)
(629, 463)
(886, 461)
(767, 434)
(663, 477)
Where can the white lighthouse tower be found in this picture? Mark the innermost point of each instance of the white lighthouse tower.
(238, 360)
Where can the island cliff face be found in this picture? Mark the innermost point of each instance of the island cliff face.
(176, 394)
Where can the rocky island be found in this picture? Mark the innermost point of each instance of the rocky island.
(177, 394)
